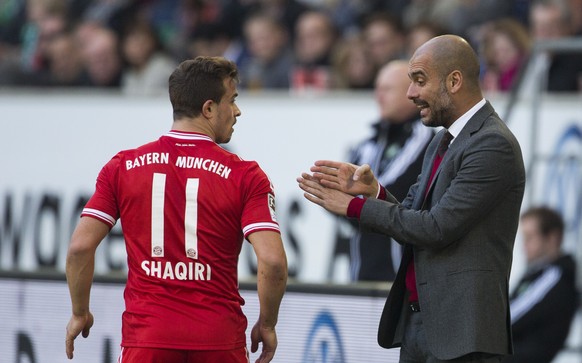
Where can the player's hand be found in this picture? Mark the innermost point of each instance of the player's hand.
(77, 325)
(348, 178)
(267, 336)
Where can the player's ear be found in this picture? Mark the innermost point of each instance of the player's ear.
(208, 108)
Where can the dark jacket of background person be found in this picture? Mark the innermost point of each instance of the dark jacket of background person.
(543, 305)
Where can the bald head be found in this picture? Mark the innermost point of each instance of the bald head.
(445, 80)
(449, 53)
(391, 86)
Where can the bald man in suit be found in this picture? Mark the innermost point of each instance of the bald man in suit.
(449, 301)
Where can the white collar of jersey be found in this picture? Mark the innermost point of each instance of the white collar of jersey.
(188, 136)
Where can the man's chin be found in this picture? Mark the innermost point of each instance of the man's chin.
(426, 121)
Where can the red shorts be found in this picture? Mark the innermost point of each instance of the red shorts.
(155, 355)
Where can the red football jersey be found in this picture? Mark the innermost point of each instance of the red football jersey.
(184, 204)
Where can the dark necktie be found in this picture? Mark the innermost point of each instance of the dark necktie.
(444, 144)
(410, 280)
(441, 150)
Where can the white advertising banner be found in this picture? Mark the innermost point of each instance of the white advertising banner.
(53, 146)
(313, 328)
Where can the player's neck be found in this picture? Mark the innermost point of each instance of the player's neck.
(193, 125)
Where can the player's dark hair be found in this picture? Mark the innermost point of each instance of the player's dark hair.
(198, 80)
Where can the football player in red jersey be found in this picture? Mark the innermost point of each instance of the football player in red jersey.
(186, 205)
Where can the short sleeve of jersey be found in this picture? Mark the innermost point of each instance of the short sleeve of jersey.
(103, 205)
(259, 207)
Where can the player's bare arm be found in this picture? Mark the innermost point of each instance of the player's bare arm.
(79, 271)
(271, 284)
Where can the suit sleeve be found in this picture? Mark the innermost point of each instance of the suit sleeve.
(487, 170)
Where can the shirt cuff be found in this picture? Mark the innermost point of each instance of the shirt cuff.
(381, 192)
(355, 207)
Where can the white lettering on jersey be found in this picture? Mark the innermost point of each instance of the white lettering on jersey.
(147, 159)
(212, 166)
(191, 271)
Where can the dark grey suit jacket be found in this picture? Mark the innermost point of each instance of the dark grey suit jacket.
(462, 239)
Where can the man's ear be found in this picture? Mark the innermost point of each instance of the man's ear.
(208, 108)
(454, 81)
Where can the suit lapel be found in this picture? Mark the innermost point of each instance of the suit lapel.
(472, 126)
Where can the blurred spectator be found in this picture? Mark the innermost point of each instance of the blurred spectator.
(352, 68)
(348, 15)
(576, 10)
(270, 56)
(285, 12)
(181, 22)
(187, 28)
(315, 39)
(460, 17)
(384, 38)
(505, 48)
(148, 67)
(215, 40)
(425, 10)
(165, 17)
(551, 20)
(545, 300)
(112, 14)
(44, 20)
(395, 153)
(65, 63)
(100, 54)
(522, 12)
(420, 33)
(13, 18)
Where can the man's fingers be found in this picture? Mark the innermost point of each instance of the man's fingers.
(325, 178)
(313, 199)
(265, 357)
(361, 170)
(312, 191)
(324, 170)
(318, 179)
(70, 340)
(308, 177)
(85, 332)
(88, 326)
(69, 347)
(255, 338)
(328, 163)
(76, 326)
(308, 184)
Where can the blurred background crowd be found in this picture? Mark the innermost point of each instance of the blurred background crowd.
(133, 45)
